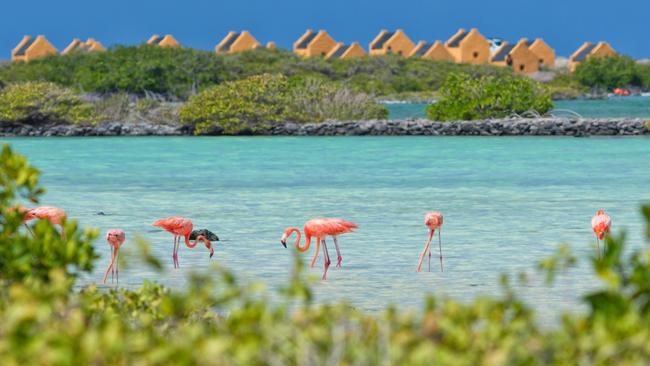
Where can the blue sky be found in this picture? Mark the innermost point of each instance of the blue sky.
(202, 23)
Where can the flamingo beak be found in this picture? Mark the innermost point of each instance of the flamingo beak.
(284, 243)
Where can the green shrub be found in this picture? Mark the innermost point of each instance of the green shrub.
(608, 72)
(255, 103)
(214, 319)
(181, 72)
(463, 97)
(35, 102)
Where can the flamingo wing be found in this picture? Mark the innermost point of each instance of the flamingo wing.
(176, 225)
(329, 226)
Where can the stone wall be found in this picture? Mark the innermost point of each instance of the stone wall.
(502, 127)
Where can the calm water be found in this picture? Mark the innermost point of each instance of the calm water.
(507, 203)
(634, 106)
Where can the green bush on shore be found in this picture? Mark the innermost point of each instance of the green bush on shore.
(609, 72)
(254, 103)
(467, 98)
(215, 319)
(181, 72)
(36, 102)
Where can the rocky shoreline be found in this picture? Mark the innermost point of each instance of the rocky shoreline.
(500, 127)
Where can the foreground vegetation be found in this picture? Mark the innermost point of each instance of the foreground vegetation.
(217, 320)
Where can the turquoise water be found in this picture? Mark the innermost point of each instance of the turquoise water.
(507, 203)
(634, 106)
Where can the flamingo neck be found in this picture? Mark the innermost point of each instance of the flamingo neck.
(297, 231)
(196, 241)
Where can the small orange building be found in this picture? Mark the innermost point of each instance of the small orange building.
(545, 54)
(167, 41)
(391, 42)
(78, 45)
(271, 45)
(469, 47)
(589, 50)
(436, 51)
(237, 42)
(314, 44)
(346, 51)
(517, 56)
(31, 48)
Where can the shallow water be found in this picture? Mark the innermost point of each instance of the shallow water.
(507, 203)
(633, 106)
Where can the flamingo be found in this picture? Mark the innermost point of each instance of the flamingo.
(55, 215)
(321, 228)
(432, 220)
(180, 226)
(115, 239)
(600, 224)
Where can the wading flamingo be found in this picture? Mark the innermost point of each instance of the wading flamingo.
(321, 228)
(600, 224)
(432, 220)
(55, 215)
(180, 226)
(115, 239)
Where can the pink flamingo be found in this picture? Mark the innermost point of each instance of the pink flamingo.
(55, 215)
(321, 228)
(115, 239)
(433, 220)
(180, 226)
(601, 223)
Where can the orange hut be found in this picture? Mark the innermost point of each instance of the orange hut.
(346, 51)
(469, 47)
(163, 41)
(589, 50)
(396, 42)
(78, 45)
(433, 51)
(545, 54)
(237, 42)
(517, 56)
(31, 48)
(314, 44)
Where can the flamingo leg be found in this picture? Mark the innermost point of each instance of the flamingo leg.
(326, 260)
(313, 261)
(424, 252)
(30, 230)
(117, 265)
(110, 267)
(338, 252)
(429, 258)
(597, 247)
(177, 240)
(440, 248)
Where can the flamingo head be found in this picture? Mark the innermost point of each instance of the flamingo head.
(285, 236)
(115, 237)
(208, 245)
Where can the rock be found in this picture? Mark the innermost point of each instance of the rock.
(206, 233)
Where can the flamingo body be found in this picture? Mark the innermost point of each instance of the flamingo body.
(320, 229)
(601, 223)
(115, 239)
(182, 227)
(54, 214)
(433, 221)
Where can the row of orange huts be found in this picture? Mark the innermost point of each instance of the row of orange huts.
(525, 56)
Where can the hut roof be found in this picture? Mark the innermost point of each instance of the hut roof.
(380, 42)
(422, 50)
(340, 51)
(583, 54)
(503, 52)
(305, 42)
(25, 47)
(230, 41)
(455, 42)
